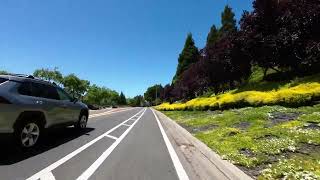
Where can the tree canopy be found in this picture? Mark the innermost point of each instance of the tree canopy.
(122, 99)
(49, 75)
(188, 56)
(152, 95)
(279, 35)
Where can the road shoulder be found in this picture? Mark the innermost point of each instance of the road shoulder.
(199, 161)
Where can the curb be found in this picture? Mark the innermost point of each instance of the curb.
(200, 161)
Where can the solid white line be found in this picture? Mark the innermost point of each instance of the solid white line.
(48, 176)
(112, 137)
(126, 125)
(174, 157)
(74, 153)
(88, 173)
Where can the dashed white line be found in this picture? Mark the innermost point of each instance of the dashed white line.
(48, 176)
(182, 175)
(53, 166)
(88, 173)
(126, 125)
(112, 137)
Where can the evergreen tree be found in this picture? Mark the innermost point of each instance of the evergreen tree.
(213, 35)
(188, 56)
(122, 99)
(228, 21)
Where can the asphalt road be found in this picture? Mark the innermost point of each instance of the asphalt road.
(117, 145)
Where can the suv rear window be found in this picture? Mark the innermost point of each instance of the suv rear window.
(2, 80)
(44, 91)
(25, 89)
(38, 90)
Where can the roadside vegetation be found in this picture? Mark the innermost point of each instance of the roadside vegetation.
(279, 37)
(252, 94)
(269, 142)
(298, 92)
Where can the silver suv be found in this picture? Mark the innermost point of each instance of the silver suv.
(29, 105)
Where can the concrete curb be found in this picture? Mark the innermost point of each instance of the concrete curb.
(200, 161)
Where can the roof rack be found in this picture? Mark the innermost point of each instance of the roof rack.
(22, 75)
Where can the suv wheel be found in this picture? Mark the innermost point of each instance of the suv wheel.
(28, 134)
(82, 123)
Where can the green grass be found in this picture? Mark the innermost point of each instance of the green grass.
(252, 138)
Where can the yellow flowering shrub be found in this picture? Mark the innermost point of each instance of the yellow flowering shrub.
(292, 96)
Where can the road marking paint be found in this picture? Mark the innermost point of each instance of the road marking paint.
(88, 173)
(174, 157)
(112, 137)
(109, 112)
(126, 125)
(56, 164)
(48, 176)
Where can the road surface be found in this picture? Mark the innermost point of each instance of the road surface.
(117, 145)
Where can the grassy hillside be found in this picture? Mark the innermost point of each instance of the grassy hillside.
(293, 93)
(270, 142)
(270, 130)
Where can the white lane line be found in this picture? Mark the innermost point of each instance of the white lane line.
(126, 125)
(48, 176)
(53, 166)
(88, 173)
(174, 157)
(109, 112)
(112, 137)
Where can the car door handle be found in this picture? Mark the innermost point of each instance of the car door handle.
(39, 102)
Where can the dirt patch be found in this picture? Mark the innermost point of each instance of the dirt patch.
(308, 149)
(280, 117)
(204, 128)
(199, 129)
(247, 152)
(312, 126)
(242, 125)
(253, 172)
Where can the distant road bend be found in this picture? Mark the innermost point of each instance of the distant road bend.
(119, 144)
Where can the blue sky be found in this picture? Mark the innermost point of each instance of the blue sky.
(126, 45)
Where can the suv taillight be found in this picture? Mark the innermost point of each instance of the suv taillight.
(4, 100)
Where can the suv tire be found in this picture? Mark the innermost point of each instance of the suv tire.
(27, 133)
(82, 122)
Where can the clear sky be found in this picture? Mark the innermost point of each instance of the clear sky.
(125, 45)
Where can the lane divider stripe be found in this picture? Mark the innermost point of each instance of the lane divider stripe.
(182, 175)
(53, 166)
(112, 137)
(88, 173)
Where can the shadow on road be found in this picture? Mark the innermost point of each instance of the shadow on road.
(11, 154)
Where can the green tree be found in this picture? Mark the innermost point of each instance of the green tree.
(3, 72)
(152, 95)
(49, 75)
(188, 56)
(213, 35)
(75, 86)
(122, 99)
(137, 101)
(228, 21)
(101, 96)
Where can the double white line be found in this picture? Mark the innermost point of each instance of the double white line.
(46, 173)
